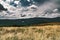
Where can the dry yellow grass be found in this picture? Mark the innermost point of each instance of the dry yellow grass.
(46, 32)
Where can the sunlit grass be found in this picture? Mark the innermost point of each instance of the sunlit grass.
(42, 32)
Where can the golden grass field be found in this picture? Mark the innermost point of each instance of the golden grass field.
(49, 31)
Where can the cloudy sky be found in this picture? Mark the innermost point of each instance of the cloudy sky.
(30, 9)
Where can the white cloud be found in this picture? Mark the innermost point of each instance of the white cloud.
(40, 11)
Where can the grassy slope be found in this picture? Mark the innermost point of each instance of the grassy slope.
(40, 32)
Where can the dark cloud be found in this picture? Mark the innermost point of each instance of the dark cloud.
(2, 8)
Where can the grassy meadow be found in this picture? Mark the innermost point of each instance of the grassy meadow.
(49, 31)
